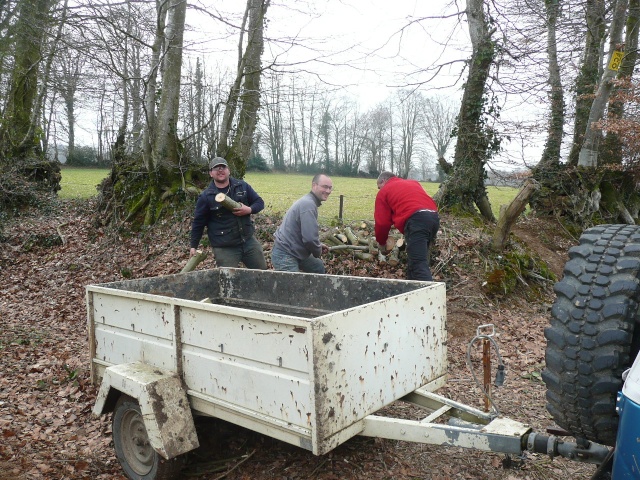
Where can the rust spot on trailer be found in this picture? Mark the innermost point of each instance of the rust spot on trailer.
(326, 338)
(332, 412)
(299, 329)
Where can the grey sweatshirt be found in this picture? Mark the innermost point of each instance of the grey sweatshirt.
(298, 234)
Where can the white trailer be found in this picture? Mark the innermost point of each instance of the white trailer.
(307, 359)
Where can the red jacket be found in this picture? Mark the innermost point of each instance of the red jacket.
(396, 201)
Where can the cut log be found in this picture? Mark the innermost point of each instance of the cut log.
(342, 237)
(381, 258)
(373, 247)
(329, 233)
(393, 258)
(391, 244)
(363, 255)
(331, 240)
(367, 224)
(351, 237)
(348, 247)
(227, 202)
(194, 261)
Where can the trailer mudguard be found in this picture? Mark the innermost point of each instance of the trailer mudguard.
(163, 404)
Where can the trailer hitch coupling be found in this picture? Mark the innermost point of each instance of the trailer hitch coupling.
(582, 451)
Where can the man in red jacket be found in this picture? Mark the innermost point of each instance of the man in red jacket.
(405, 204)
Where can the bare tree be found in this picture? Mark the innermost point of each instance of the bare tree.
(69, 74)
(438, 120)
(376, 137)
(410, 109)
(275, 135)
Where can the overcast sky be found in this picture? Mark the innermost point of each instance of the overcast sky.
(362, 45)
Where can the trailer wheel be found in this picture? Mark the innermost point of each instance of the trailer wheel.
(136, 456)
(593, 336)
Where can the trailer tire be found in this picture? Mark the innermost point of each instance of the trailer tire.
(136, 456)
(593, 335)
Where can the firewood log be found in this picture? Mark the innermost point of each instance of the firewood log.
(194, 261)
(363, 255)
(367, 224)
(328, 233)
(227, 202)
(331, 240)
(348, 247)
(373, 247)
(391, 244)
(393, 257)
(351, 237)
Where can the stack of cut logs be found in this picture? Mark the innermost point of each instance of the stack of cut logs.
(361, 242)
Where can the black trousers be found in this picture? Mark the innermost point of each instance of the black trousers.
(420, 232)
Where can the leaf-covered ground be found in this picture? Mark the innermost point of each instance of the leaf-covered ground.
(47, 430)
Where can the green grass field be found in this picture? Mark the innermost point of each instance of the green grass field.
(279, 191)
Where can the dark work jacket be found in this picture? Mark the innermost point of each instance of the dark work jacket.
(224, 229)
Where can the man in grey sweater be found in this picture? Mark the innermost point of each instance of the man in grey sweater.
(297, 246)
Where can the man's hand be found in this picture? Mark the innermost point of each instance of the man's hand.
(192, 252)
(325, 248)
(242, 211)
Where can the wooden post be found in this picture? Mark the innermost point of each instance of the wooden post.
(227, 202)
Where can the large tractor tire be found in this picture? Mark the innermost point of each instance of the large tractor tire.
(593, 336)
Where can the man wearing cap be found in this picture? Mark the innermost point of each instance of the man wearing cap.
(230, 232)
(405, 204)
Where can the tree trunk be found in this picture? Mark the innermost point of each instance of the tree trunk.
(466, 186)
(589, 72)
(249, 70)
(588, 156)
(250, 98)
(165, 150)
(151, 87)
(551, 152)
(611, 150)
(510, 214)
(16, 136)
